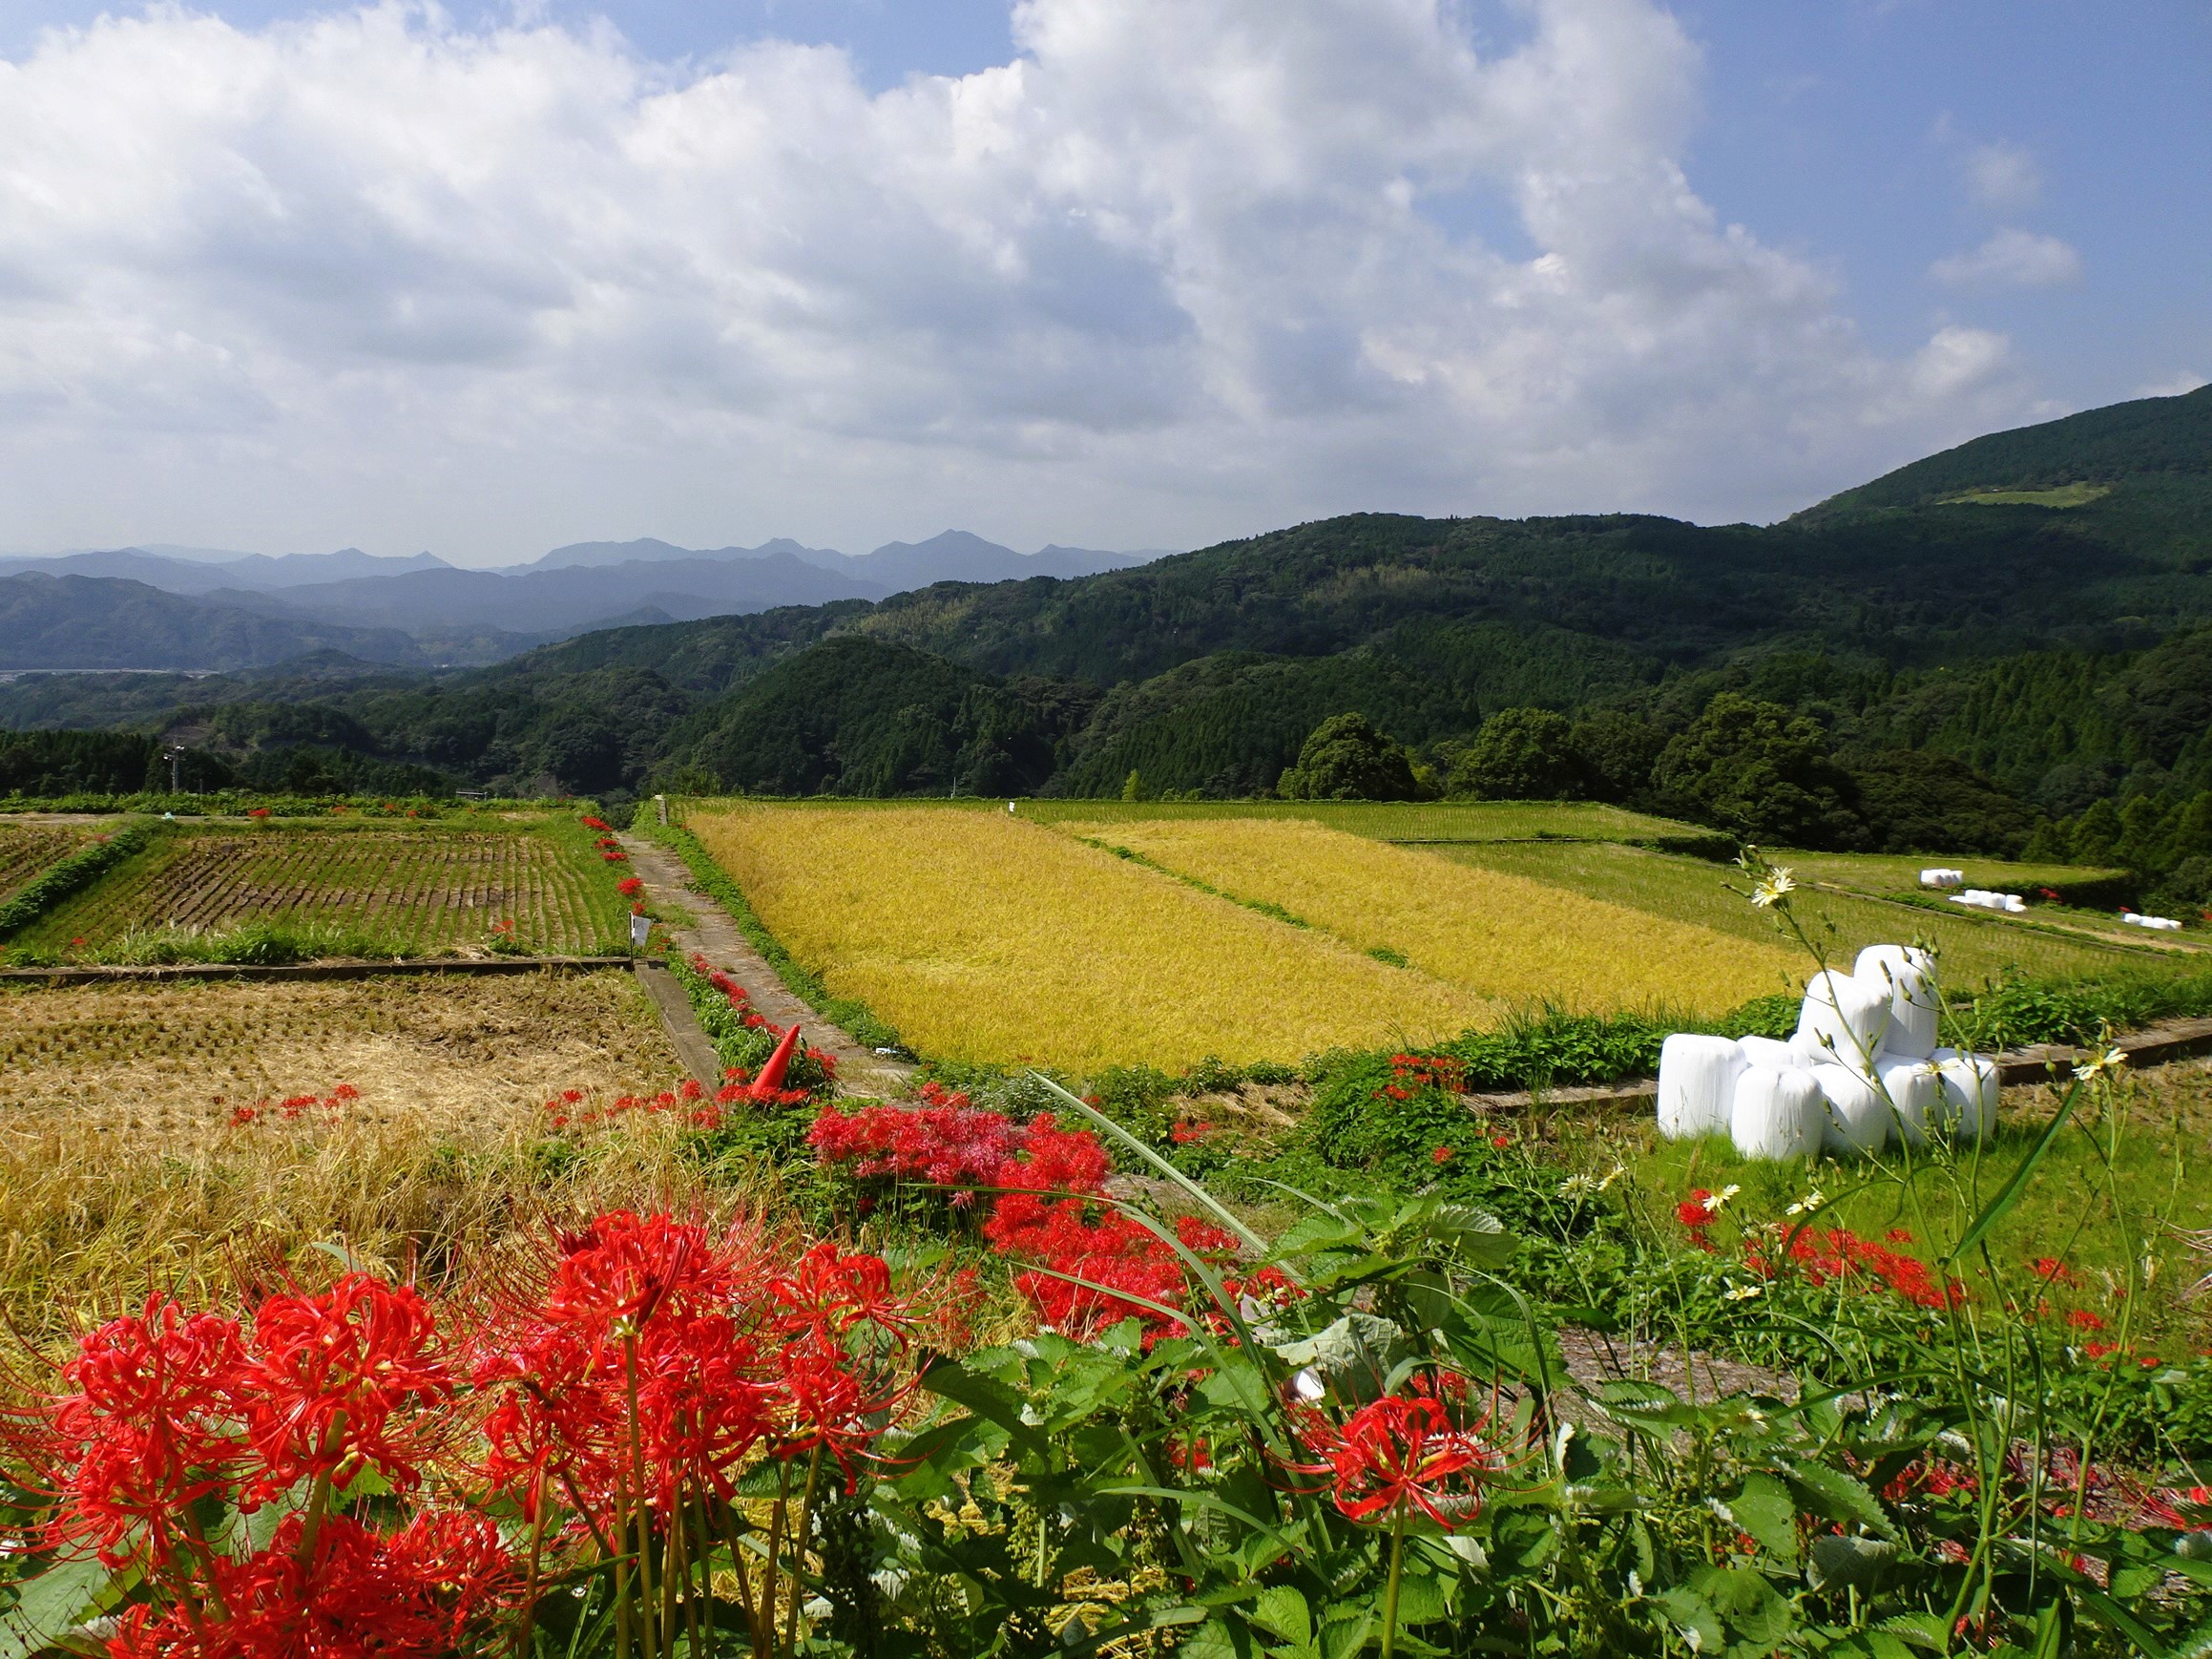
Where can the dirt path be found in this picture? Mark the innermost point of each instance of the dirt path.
(714, 935)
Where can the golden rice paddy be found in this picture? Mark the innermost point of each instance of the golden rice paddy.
(987, 939)
(1497, 936)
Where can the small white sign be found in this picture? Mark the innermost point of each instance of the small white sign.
(640, 929)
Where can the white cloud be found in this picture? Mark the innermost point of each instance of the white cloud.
(1170, 274)
(2014, 259)
(2002, 176)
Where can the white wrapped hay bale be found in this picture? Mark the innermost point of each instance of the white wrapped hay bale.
(2014, 903)
(1857, 1118)
(1913, 1009)
(1844, 1018)
(2157, 924)
(1914, 1096)
(1768, 1052)
(1942, 878)
(1697, 1084)
(1778, 1113)
(1969, 1091)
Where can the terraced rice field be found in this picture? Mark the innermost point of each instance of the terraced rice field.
(1499, 935)
(983, 938)
(26, 849)
(415, 893)
(1692, 890)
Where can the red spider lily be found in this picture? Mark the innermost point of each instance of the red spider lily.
(600, 823)
(1696, 1211)
(257, 812)
(2082, 1319)
(1840, 1256)
(1401, 1454)
(831, 1291)
(415, 1594)
(1442, 1155)
(630, 886)
(149, 1431)
(326, 1374)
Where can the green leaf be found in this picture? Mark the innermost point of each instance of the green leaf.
(1421, 1600)
(1694, 1615)
(1921, 1629)
(1841, 1497)
(1843, 1562)
(1742, 1596)
(57, 1600)
(1765, 1510)
(1281, 1611)
(990, 1400)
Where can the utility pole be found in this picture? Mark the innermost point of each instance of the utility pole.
(175, 755)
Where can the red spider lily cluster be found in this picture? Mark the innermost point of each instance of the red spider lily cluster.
(599, 823)
(257, 812)
(293, 1108)
(1045, 1185)
(1411, 1074)
(1404, 1455)
(740, 1003)
(1837, 1255)
(1698, 1213)
(571, 1109)
(615, 1388)
(630, 886)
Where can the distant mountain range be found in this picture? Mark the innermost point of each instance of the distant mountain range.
(198, 608)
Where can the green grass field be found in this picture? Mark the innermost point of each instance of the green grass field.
(1441, 821)
(530, 883)
(1974, 947)
(2161, 1155)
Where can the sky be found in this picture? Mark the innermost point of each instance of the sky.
(489, 277)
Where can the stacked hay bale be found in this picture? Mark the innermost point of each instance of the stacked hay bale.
(1862, 1070)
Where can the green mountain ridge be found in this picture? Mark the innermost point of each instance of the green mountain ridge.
(2052, 647)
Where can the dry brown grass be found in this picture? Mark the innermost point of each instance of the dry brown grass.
(120, 1168)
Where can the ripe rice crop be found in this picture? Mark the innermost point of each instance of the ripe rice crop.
(981, 937)
(1498, 935)
(372, 892)
(131, 1150)
(26, 851)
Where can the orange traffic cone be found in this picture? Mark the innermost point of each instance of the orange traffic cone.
(770, 1081)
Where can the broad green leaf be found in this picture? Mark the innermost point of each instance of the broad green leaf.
(1281, 1611)
(1841, 1497)
(990, 1400)
(1844, 1563)
(1921, 1629)
(1421, 1600)
(1766, 1511)
(58, 1599)
(1694, 1615)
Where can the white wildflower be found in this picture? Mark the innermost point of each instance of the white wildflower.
(1771, 889)
(2105, 1064)
(1809, 1202)
(1714, 1203)
(1578, 1187)
(1742, 1292)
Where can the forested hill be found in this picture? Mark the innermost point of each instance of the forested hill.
(2028, 601)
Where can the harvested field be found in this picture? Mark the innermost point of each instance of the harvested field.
(26, 851)
(982, 938)
(123, 1161)
(376, 892)
(1499, 935)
